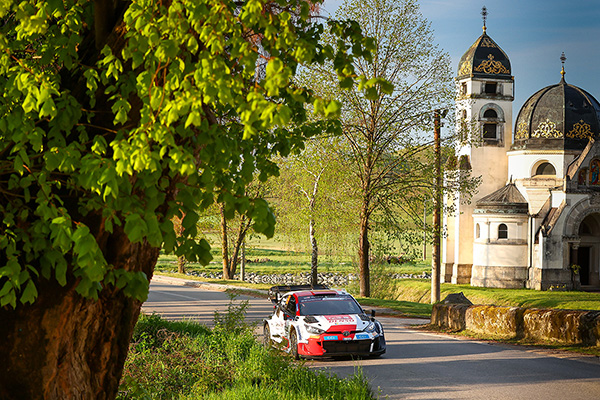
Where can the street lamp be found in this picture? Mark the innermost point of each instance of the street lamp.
(437, 199)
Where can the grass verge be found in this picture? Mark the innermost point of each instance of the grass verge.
(416, 290)
(184, 360)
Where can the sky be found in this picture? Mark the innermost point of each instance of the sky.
(533, 33)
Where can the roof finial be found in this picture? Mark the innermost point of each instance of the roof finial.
(563, 59)
(484, 14)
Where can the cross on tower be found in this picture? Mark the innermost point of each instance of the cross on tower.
(484, 14)
(562, 60)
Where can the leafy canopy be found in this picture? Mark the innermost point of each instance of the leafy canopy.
(104, 138)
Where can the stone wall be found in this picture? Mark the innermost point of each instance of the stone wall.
(559, 326)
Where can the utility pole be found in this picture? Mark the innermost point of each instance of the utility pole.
(437, 200)
(425, 230)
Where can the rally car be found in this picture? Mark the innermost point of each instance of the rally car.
(317, 322)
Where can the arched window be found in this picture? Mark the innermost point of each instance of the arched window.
(489, 113)
(545, 168)
(502, 231)
(477, 231)
(491, 118)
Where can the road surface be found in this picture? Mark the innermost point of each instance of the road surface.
(421, 365)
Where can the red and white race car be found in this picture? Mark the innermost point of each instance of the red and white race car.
(321, 322)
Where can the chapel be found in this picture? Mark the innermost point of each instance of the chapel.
(534, 221)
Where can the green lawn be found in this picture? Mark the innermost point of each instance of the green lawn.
(416, 290)
(272, 257)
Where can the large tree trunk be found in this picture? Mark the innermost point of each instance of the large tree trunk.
(65, 346)
(363, 252)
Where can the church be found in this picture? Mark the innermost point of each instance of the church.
(534, 221)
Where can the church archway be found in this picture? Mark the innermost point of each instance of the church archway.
(588, 250)
(583, 234)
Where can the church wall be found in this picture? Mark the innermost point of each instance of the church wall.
(447, 247)
(551, 258)
(497, 262)
(522, 166)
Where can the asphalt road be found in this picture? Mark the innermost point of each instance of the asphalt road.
(420, 365)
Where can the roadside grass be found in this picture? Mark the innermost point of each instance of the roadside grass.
(419, 290)
(405, 308)
(185, 360)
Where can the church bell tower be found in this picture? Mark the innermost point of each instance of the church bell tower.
(485, 92)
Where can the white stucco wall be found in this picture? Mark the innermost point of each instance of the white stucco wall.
(490, 251)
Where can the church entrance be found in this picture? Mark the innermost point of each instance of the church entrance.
(583, 258)
(588, 252)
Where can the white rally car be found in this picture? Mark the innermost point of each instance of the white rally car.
(321, 322)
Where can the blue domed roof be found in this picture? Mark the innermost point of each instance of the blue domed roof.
(560, 116)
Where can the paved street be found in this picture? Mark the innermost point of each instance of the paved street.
(421, 365)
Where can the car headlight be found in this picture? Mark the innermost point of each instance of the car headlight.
(314, 330)
(371, 327)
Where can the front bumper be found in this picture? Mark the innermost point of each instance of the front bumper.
(319, 347)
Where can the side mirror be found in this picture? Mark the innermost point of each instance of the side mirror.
(372, 314)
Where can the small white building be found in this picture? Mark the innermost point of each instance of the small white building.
(537, 210)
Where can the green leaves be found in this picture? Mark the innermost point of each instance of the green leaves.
(187, 101)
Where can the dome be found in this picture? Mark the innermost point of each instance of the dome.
(560, 116)
(484, 59)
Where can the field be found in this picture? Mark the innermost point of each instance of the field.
(273, 256)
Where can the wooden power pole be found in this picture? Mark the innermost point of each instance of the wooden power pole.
(437, 229)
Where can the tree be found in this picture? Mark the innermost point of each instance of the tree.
(117, 116)
(231, 250)
(313, 194)
(385, 127)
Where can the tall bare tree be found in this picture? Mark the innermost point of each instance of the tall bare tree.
(385, 128)
(312, 197)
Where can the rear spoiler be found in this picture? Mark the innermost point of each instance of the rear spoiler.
(276, 292)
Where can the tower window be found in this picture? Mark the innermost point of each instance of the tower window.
(489, 113)
(477, 231)
(463, 88)
(502, 231)
(545, 169)
(491, 87)
(489, 131)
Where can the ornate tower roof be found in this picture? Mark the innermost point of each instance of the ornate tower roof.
(560, 116)
(484, 59)
(506, 200)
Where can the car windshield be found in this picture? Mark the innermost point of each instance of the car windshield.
(339, 305)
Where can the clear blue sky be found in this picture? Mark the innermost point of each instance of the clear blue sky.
(533, 33)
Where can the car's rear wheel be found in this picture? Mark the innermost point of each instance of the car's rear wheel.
(294, 344)
(267, 336)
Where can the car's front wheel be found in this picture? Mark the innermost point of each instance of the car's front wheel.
(294, 344)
